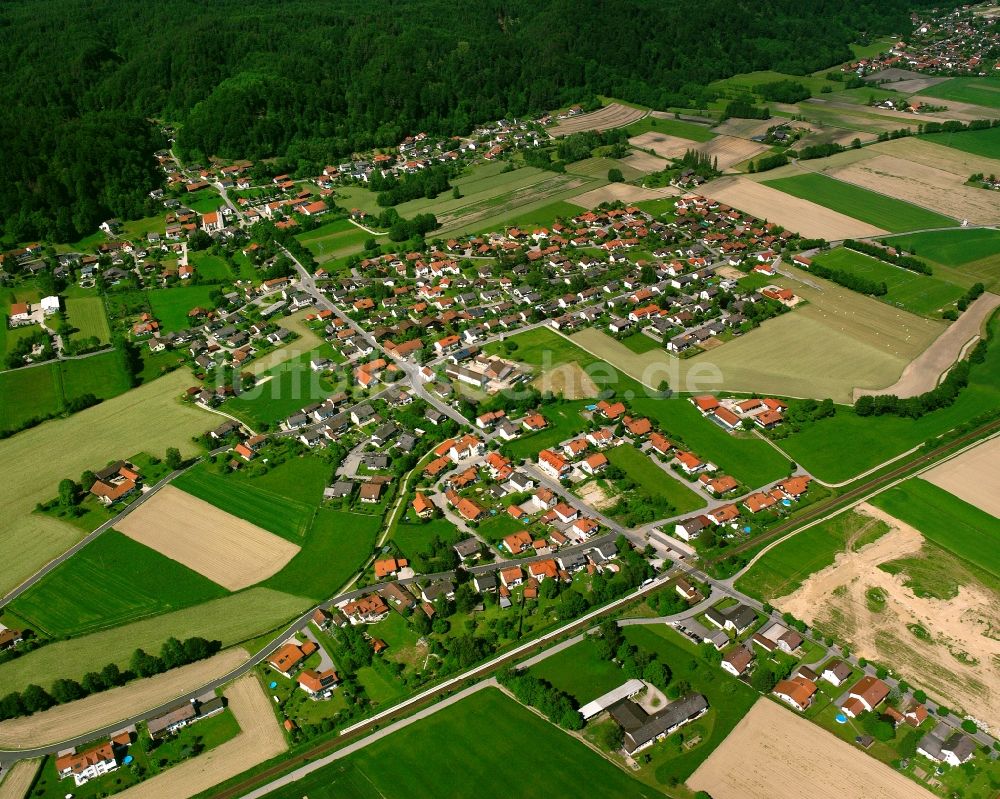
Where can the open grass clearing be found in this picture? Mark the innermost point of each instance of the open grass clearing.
(149, 418)
(951, 522)
(784, 568)
(652, 480)
(600, 166)
(171, 306)
(334, 240)
(419, 760)
(671, 127)
(956, 248)
(982, 91)
(112, 581)
(776, 754)
(231, 620)
(102, 709)
(224, 548)
(921, 294)
(86, 314)
(580, 671)
(868, 206)
(985, 143)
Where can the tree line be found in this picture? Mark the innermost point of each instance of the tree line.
(883, 254)
(859, 283)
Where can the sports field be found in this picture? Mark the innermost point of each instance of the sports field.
(171, 306)
(652, 480)
(112, 581)
(251, 500)
(978, 91)
(841, 446)
(466, 749)
(227, 550)
(231, 620)
(782, 570)
(951, 523)
(334, 240)
(86, 314)
(922, 294)
(868, 206)
(149, 418)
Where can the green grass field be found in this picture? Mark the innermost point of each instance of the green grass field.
(671, 127)
(841, 446)
(292, 385)
(112, 581)
(922, 294)
(580, 672)
(978, 91)
(783, 569)
(285, 509)
(951, 523)
(210, 267)
(640, 343)
(875, 209)
(546, 215)
(481, 733)
(203, 201)
(87, 315)
(564, 421)
(171, 306)
(335, 240)
(978, 142)
(336, 547)
(231, 619)
(953, 247)
(652, 480)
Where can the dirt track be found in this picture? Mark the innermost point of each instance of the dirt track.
(224, 548)
(836, 599)
(260, 738)
(973, 476)
(775, 754)
(100, 710)
(925, 371)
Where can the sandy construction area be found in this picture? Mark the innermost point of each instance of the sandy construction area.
(922, 185)
(938, 156)
(835, 599)
(226, 549)
(568, 380)
(623, 192)
(926, 370)
(108, 707)
(595, 496)
(611, 116)
(801, 216)
(775, 754)
(973, 476)
(17, 781)
(260, 738)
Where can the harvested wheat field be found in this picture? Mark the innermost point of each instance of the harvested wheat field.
(728, 151)
(662, 144)
(224, 548)
(973, 476)
(775, 754)
(951, 654)
(17, 781)
(109, 707)
(746, 128)
(644, 162)
(615, 115)
(922, 185)
(620, 192)
(926, 370)
(567, 380)
(957, 162)
(260, 738)
(790, 212)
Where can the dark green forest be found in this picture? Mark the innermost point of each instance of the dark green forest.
(314, 81)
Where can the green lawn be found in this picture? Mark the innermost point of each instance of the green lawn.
(978, 91)
(952, 247)
(728, 699)
(546, 215)
(671, 127)
(951, 523)
(171, 306)
(87, 315)
(335, 549)
(334, 240)
(922, 294)
(100, 375)
(112, 581)
(564, 421)
(652, 480)
(783, 569)
(210, 267)
(413, 538)
(292, 385)
(875, 209)
(203, 201)
(978, 142)
(640, 343)
(249, 499)
(579, 672)
(466, 749)
(841, 446)
(10, 336)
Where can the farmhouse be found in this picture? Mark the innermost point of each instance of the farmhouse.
(367, 610)
(777, 636)
(183, 715)
(738, 618)
(115, 482)
(389, 566)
